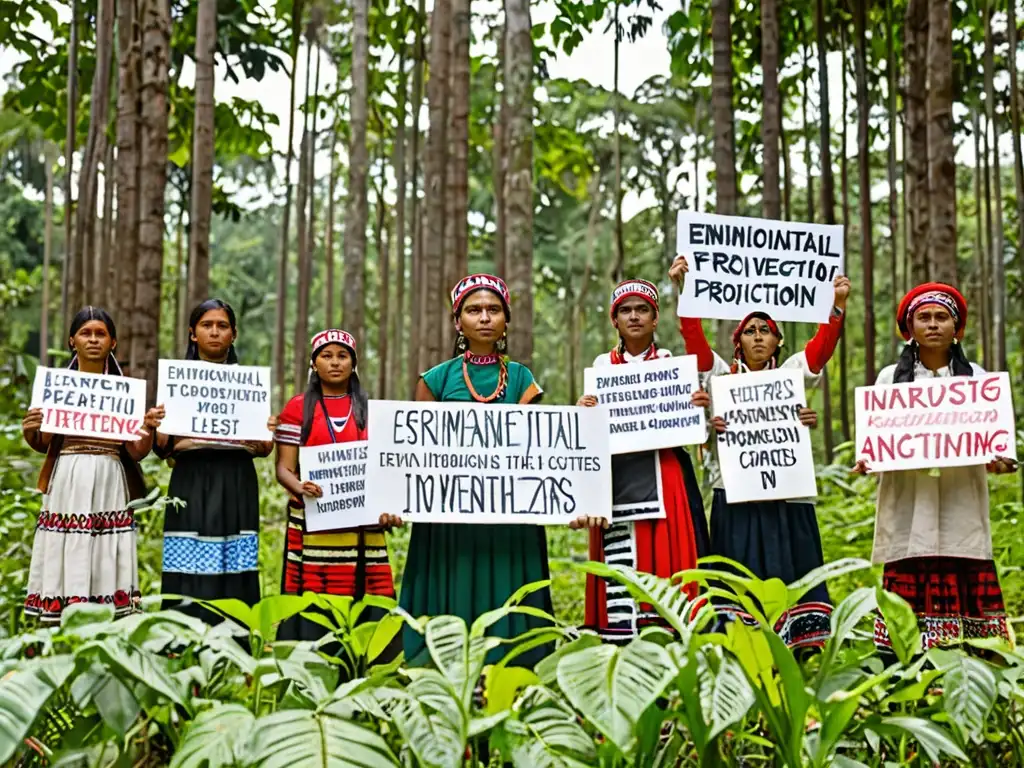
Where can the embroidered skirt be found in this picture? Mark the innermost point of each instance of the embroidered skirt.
(84, 547)
(775, 539)
(211, 545)
(955, 599)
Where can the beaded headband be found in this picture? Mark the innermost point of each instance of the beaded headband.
(332, 336)
(475, 282)
(935, 298)
(645, 290)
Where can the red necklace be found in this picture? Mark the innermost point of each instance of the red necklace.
(499, 391)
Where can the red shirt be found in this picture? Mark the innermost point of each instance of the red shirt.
(339, 408)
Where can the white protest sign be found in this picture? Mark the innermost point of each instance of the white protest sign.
(739, 265)
(765, 452)
(648, 404)
(89, 404)
(340, 471)
(214, 401)
(476, 463)
(945, 422)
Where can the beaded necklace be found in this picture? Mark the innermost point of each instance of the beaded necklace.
(470, 359)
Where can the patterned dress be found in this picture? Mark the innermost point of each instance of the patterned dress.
(465, 570)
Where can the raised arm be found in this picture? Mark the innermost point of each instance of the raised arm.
(819, 349)
(690, 328)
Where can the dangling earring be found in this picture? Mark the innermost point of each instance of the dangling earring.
(461, 344)
(502, 346)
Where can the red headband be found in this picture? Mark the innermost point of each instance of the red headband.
(645, 290)
(954, 301)
(762, 315)
(332, 336)
(474, 283)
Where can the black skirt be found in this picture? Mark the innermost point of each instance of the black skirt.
(211, 544)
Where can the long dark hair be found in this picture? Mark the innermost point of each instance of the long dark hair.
(86, 315)
(958, 362)
(314, 398)
(192, 350)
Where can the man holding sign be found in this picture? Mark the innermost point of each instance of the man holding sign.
(932, 524)
(660, 526)
(774, 534)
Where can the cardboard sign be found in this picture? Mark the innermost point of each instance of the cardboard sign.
(212, 401)
(648, 404)
(340, 471)
(475, 463)
(90, 404)
(739, 265)
(765, 452)
(945, 422)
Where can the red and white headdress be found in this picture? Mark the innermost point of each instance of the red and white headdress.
(936, 294)
(332, 336)
(636, 287)
(472, 283)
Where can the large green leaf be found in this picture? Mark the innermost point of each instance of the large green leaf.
(731, 697)
(23, 695)
(428, 717)
(822, 573)
(113, 699)
(295, 738)
(613, 686)
(901, 622)
(131, 663)
(968, 691)
(546, 734)
(849, 613)
(212, 739)
(933, 738)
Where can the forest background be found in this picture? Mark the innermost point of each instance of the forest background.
(426, 140)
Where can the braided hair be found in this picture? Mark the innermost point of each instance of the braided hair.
(958, 363)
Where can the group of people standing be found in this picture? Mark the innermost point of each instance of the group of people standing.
(931, 528)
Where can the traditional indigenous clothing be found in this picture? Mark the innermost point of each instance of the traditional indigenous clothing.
(348, 562)
(644, 482)
(84, 545)
(774, 539)
(466, 570)
(932, 527)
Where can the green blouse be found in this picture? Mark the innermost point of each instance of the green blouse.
(446, 382)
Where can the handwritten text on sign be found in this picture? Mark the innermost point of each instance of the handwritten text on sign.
(340, 471)
(473, 463)
(739, 265)
(765, 452)
(648, 404)
(947, 422)
(214, 401)
(89, 404)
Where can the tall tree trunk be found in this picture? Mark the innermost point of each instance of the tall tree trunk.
(156, 32)
(459, 143)
(891, 81)
(499, 157)
(996, 246)
(384, 293)
(300, 365)
(519, 181)
(771, 117)
(726, 191)
(417, 356)
(104, 293)
(916, 153)
(305, 286)
(844, 179)
(1015, 125)
(202, 155)
(986, 274)
(620, 244)
(828, 196)
(88, 185)
(329, 235)
(864, 192)
(67, 307)
(356, 204)
(280, 341)
(180, 267)
(787, 174)
(398, 331)
(128, 136)
(49, 157)
(433, 317)
(982, 216)
(805, 124)
(941, 151)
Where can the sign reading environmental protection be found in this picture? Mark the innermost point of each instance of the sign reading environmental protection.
(89, 404)
(944, 422)
(212, 401)
(340, 471)
(477, 463)
(739, 265)
(765, 452)
(649, 404)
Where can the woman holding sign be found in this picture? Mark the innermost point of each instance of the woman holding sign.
(353, 561)
(84, 546)
(777, 539)
(664, 480)
(932, 528)
(466, 570)
(211, 544)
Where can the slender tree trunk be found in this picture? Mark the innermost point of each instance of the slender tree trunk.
(103, 255)
(384, 294)
(864, 192)
(128, 137)
(828, 202)
(844, 179)
(620, 244)
(916, 160)
(300, 364)
(1015, 125)
(499, 155)
(180, 266)
(49, 157)
(398, 335)
(519, 181)
(329, 235)
(67, 307)
(726, 191)
(356, 203)
(981, 215)
(805, 125)
(941, 151)
(891, 81)
(905, 214)
(771, 116)
(996, 246)
(578, 337)
(202, 155)
(986, 274)
(787, 175)
(308, 257)
(156, 32)
(434, 304)
(459, 122)
(417, 358)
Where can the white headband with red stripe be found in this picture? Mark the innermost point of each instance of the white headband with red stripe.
(475, 282)
(332, 336)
